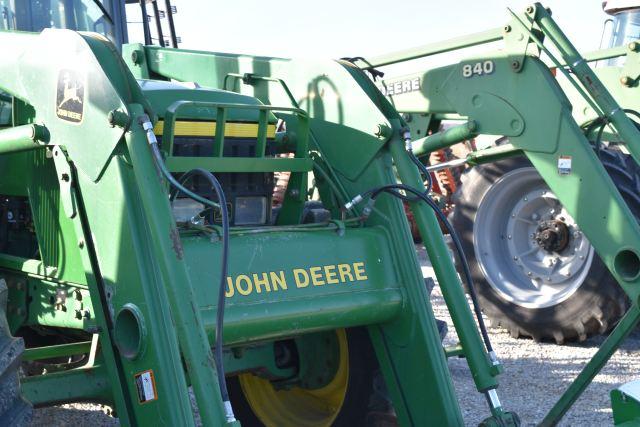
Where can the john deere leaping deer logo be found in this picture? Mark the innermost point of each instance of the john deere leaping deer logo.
(70, 96)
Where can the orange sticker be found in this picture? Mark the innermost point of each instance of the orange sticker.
(146, 386)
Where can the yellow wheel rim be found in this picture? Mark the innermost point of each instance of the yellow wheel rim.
(299, 407)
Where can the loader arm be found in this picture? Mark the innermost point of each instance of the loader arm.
(523, 100)
(94, 179)
(530, 108)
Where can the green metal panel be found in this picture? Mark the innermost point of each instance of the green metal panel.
(71, 386)
(625, 403)
(35, 84)
(348, 279)
(322, 88)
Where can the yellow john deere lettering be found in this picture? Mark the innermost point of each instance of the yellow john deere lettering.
(231, 129)
(274, 281)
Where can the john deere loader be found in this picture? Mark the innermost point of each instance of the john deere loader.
(144, 267)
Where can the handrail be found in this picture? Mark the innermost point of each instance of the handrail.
(248, 78)
(257, 163)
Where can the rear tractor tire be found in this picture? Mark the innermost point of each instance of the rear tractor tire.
(354, 396)
(536, 273)
(14, 409)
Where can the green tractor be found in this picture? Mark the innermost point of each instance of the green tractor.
(537, 274)
(144, 266)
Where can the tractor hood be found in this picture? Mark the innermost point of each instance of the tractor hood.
(163, 94)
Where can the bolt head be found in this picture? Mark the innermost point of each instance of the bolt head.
(136, 57)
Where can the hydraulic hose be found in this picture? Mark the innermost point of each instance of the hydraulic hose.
(424, 196)
(391, 189)
(215, 184)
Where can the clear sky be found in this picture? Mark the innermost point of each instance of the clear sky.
(337, 28)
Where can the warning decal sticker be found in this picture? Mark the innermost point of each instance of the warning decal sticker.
(564, 165)
(70, 96)
(146, 386)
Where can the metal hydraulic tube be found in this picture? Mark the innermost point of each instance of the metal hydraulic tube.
(424, 146)
(452, 291)
(23, 138)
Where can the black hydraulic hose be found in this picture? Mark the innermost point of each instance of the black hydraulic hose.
(391, 189)
(215, 184)
(422, 169)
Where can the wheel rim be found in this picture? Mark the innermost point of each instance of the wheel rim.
(508, 239)
(299, 407)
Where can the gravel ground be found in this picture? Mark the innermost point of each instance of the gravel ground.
(535, 376)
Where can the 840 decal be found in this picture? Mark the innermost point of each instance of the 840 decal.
(478, 69)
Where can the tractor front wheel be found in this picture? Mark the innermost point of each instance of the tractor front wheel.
(536, 273)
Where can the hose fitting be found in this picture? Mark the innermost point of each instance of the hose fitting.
(147, 126)
(368, 209)
(406, 136)
(349, 205)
